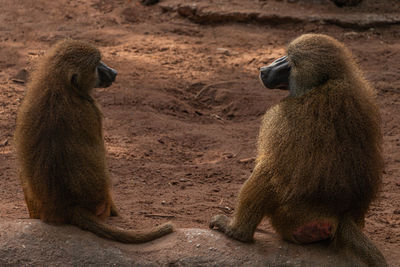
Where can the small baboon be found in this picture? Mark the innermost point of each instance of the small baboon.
(60, 147)
(319, 160)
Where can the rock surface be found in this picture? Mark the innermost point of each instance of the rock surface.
(31, 242)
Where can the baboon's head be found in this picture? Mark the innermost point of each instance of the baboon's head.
(79, 65)
(312, 60)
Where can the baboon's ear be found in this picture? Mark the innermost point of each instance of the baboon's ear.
(74, 80)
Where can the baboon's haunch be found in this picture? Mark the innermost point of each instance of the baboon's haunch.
(319, 160)
(60, 144)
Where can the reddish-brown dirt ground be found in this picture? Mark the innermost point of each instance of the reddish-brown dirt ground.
(182, 119)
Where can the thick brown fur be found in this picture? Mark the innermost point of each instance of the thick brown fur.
(60, 146)
(319, 153)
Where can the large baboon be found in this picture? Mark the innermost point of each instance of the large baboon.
(319, 160)
(60, 145)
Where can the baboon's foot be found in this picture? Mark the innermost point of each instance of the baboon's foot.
(219, 222)
(113, 210)
(222, 223)
(313, 232)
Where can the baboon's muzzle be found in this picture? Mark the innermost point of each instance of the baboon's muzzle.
(276, 75)
(106, 74)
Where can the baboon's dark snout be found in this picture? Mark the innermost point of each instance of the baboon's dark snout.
(264, 73)
(106, 75)
(113, 74)
(276, 75)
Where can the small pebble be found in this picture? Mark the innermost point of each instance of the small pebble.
(223, 51)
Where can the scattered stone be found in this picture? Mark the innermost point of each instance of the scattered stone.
(228, 155)
(247, 160)
(216, 117)
(223, 51)
(4, 142)
(161, 141)
(224, 208)
(351, 35)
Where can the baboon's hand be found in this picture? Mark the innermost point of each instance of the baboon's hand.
(220, 223)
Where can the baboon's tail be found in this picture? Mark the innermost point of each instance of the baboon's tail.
(87, 221)
(350, 239)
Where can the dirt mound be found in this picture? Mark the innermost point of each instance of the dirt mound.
(231, 100)
(31, 242)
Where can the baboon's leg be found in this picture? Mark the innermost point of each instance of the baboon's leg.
(252, 205)
(33, 210)
(30, 203)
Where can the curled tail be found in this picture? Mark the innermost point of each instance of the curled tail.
(350, 239)
(87, 221)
